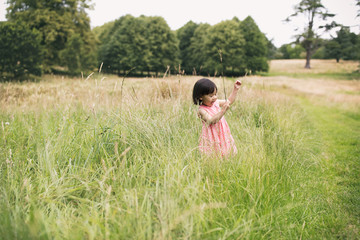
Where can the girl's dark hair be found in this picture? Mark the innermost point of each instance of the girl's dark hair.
(202, 87)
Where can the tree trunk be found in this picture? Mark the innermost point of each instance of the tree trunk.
(308, 57)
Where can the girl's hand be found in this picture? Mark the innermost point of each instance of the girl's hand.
(226, 106)
(237, 84)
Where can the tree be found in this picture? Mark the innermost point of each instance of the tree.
(109, 46)
(349, 43)
(184, 34)
(197, 49)
(75, 56)
(57, 21)
(162, 43)
(224, 46)
(20, 51)
(315, 12)
(346, 45)
(292, 51)
(272, 50)
(255, 46)
(146, 43)
(102, 34)
(333, 50)
(127, 45)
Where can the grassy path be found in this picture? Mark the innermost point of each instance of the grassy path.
(339, 132)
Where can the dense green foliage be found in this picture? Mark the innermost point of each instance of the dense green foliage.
(144, 43)
(272, 49)
(292, 51)
(163, 44)
(224, 49)
(197, 49)
(256, 48)
(346, 45)
(76, 55)
(184, 34)
(229, 47)
(20, 51)
(60, 24)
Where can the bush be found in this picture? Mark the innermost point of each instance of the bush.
(20, 51)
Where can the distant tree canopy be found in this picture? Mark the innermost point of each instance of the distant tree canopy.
(345, 45)
(256, 48)
(197, 50)
(224, 49)
(292, 51)
(64, 27)
(20, 51)
(66, 44)
(55, 36)
(184, 34)
(230, 47)
(144, 43)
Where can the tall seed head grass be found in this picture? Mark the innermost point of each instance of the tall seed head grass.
(80, 166)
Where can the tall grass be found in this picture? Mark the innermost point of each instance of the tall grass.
(74, 165)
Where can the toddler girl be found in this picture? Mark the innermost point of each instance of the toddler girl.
(215, 138)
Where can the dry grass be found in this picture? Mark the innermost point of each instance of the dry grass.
(317, 66)
(315, 84)
(104, 92)
(97, 92)
(345, 92)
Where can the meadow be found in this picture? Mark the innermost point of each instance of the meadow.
(106, 157)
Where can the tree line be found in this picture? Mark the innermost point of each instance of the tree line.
(230, 47)
(46, 36)
(344, 45)
(53, 36)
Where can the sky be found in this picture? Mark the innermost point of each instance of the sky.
(268, 14)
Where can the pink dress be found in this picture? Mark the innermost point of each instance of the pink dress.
(216, 139)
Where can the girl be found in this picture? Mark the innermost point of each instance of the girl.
(215, 138)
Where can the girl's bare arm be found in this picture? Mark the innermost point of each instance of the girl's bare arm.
(214, 119)
(233, 94)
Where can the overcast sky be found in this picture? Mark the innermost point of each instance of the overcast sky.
(268, 15)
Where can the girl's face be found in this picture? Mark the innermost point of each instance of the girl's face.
(209, 99)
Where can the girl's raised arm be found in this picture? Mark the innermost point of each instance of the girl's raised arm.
(233, 94)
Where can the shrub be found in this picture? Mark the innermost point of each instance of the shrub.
(20, 51)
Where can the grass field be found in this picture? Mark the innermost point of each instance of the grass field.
(344, 70)
(114, 158)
